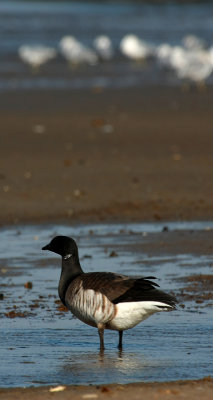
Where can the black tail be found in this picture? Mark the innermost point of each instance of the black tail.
(144, 289)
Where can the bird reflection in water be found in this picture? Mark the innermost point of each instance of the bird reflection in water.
(90, 366)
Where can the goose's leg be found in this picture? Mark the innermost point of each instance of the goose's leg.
(120, 340)
(101, 335)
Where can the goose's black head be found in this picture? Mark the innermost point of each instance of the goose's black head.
(63, 245)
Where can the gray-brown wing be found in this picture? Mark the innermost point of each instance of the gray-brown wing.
(120, 288)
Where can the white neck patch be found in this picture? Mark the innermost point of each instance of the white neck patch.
(67, 256)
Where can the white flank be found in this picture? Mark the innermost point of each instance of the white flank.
(130, 314)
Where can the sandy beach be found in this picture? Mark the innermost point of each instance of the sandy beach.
(136, 154)
(174, 390)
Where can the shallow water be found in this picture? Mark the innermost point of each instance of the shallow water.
(47, 346)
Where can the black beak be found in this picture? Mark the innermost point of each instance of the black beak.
(47, 247)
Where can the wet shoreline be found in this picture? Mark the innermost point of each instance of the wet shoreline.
(176, 390)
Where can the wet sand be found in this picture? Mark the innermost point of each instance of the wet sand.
(135, 155)
(123, 154)
(174, 390)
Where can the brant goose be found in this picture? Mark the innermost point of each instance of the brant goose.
(105, 300)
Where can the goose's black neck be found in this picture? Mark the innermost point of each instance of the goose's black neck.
(71, 268)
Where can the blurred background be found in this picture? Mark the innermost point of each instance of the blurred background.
(82, 44)
(106, 109)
